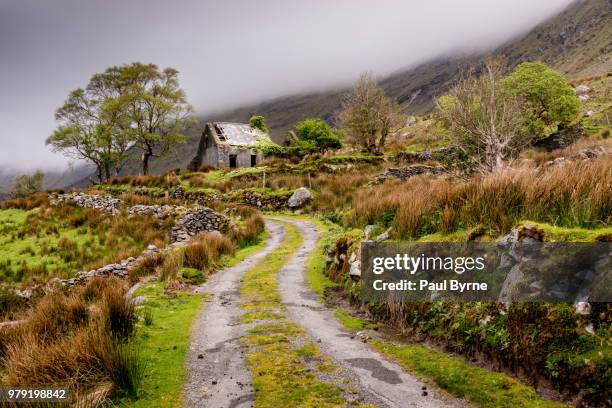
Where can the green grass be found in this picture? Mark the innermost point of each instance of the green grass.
(452, 374)
(163, 345)
(350, 322)
(16, 252)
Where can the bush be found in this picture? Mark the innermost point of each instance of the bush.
(315, 135)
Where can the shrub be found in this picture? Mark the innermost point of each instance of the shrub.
(315, 135)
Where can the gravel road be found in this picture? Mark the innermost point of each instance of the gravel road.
(217, 374)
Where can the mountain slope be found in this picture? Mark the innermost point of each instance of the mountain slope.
(577, 42)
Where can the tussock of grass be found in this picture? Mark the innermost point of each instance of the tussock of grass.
(81, 341)
(574, 195)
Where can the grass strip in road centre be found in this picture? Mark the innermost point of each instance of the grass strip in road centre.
(284, 363)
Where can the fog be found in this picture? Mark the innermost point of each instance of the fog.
(228, 52)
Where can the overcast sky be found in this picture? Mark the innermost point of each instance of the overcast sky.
(228, 52)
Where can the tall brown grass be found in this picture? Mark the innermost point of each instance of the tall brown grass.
(576, 194)
(206, 249)
(66, 341)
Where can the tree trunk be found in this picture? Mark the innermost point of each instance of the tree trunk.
(147, 153)
(99, 171)
(107, 172)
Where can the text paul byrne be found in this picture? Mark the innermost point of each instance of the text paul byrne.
(443, 286)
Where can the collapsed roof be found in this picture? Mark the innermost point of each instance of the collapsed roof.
(238, 134)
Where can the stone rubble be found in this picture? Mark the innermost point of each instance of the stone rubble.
(404, 173)
(158, 211)
(100, 202)
(197, 220)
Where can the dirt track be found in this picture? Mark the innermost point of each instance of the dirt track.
(217, 375)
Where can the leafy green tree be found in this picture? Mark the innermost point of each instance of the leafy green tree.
(28, 184)
(85, 133)
(550, 103)
(130, 106)
(316, 135)
(259, 122)
(153, 109)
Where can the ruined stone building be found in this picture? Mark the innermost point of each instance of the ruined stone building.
(229, 145)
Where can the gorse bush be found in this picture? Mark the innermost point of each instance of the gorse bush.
(576, 194)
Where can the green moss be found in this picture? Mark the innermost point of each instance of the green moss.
(564, 234)
(480, 386)
(351, 322)
(192, 276)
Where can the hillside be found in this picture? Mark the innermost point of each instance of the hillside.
(577, 42)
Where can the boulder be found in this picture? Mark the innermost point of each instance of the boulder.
(300, 197)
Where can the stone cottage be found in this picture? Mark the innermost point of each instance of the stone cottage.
(229, 145)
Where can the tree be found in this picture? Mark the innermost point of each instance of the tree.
(315, 135)
(550, 103)
(368, 116)
(485, 120)
(153, 109)
(81, 133)
(259, 122)
(28, 184)
(90, 125)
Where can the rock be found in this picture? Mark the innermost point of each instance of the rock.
(300, 197)
(355, 271)
(582, 308)
(584, 97)
(384, 236)
(582, 90)
(367, 231)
